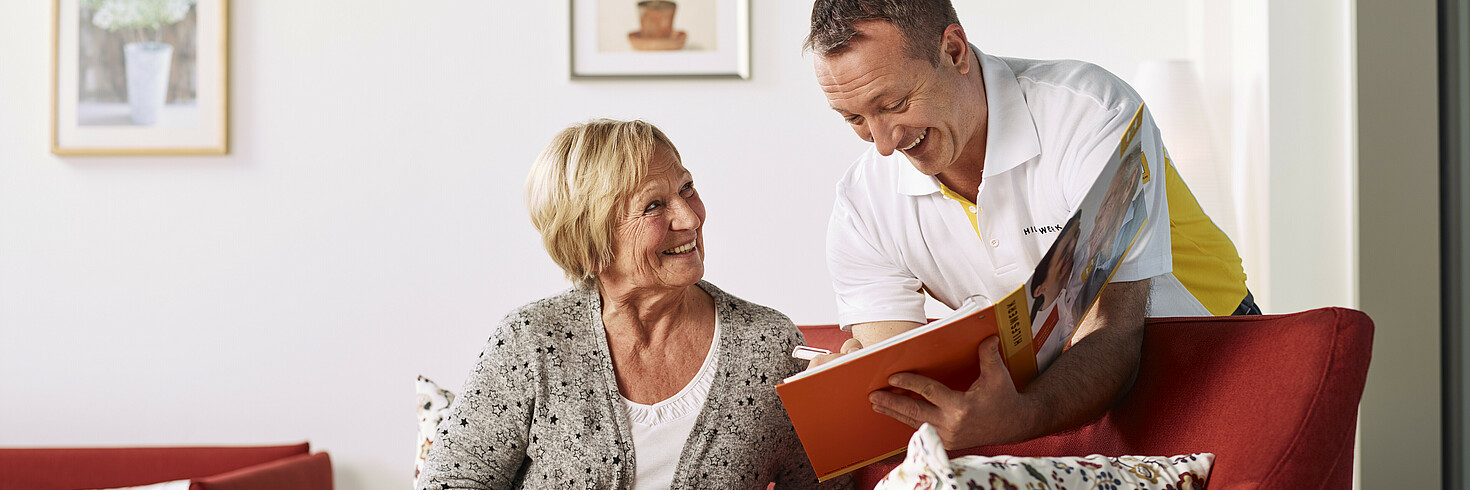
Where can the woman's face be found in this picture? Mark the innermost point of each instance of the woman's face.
(1059, 269)
(659, 240)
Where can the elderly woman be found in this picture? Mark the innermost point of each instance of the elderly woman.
(640, 376)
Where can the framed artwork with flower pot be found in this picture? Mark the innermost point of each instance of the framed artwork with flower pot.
(140, 77)
(660, 38)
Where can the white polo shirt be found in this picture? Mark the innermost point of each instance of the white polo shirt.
(894, 234)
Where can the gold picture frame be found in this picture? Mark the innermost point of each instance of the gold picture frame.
(122, 89)
(660, 39)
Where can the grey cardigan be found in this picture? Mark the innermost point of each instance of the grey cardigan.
(541, 408)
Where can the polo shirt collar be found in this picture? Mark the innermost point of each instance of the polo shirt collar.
(1010, 137)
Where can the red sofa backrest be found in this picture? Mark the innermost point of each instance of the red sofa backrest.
(1275, 397)
(73, 468)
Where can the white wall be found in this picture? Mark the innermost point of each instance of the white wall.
(1398, 242)
(1309, 176)
(368, 227)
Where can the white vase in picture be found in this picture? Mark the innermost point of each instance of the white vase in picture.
(147, 66)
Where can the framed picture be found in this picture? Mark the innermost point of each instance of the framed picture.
(660, 38)
(140, 77)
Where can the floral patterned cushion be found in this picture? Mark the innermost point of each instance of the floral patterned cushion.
(168, 485)
(927, 467)
(433, 404)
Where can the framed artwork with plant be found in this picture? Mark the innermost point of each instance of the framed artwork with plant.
(140, 77)
(660, 38)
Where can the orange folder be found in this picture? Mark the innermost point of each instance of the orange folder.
(829, 405)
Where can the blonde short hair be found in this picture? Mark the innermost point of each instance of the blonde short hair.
(579, 182)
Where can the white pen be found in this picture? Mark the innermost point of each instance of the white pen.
(808, 353)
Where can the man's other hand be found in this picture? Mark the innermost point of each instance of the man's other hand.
(962, 418)
(1082, 382)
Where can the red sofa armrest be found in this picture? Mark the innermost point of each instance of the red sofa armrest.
(828, 337)
(109, 467)
(1275, 397)
(302, 472)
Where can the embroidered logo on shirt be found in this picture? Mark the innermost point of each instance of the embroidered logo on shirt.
(1041, 229)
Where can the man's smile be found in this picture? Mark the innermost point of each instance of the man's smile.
(916, 141)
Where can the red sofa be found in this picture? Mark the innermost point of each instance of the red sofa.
(1275, 397)
(291, 467)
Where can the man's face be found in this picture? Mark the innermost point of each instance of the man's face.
(899, 103)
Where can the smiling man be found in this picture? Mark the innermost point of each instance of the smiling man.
(976, 161)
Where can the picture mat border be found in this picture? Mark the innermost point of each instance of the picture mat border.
(221, 134)
(637, 64)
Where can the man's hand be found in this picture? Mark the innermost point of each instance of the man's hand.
(1082, 381)
(962, 418)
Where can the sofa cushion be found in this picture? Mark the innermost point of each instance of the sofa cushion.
(928, 466)
(433, 403)
(168, 485)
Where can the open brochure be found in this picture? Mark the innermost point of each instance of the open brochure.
(829, 404)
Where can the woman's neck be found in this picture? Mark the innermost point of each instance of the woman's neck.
(650, 315)
(658, 338)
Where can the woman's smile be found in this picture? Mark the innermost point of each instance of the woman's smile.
(682, 249)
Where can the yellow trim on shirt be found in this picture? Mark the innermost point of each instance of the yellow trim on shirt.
(1205, 261)
(967, 206)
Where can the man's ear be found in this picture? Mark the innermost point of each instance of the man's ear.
(955, 48)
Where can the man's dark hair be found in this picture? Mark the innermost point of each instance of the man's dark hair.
(922, 23)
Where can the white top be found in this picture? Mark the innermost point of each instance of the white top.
(1052, 128)
(661, 429)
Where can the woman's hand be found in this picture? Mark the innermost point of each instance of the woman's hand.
(864, 334)
(852, 345)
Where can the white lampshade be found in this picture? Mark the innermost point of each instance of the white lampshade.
(1172, 91)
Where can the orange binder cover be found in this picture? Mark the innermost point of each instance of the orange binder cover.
(829, 405)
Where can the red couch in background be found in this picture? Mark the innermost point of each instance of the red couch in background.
(291, 467)
(1275, 397)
